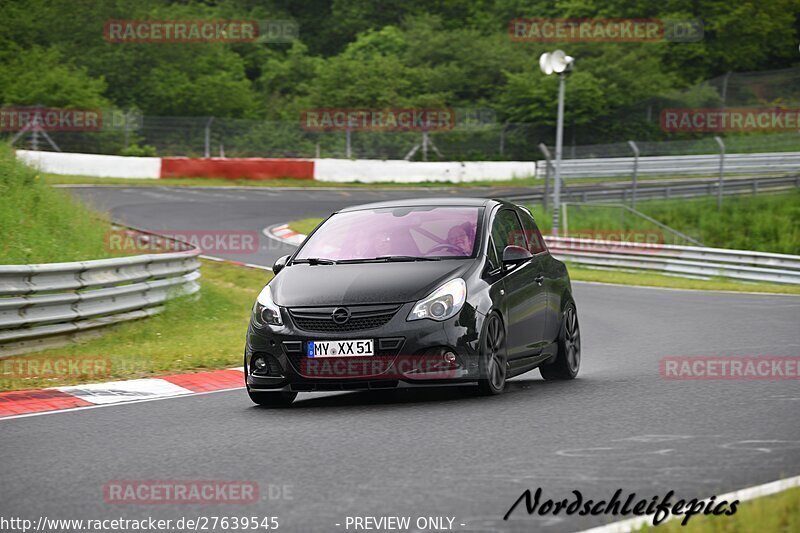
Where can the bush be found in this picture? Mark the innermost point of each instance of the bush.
(135, 150)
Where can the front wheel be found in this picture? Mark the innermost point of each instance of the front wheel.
(272, 399)
(493, 357)
(568, 359)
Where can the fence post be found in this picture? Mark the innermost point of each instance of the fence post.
(208, 137)
(546, 153)
(635, 171)
(125, 126)
(721, 170)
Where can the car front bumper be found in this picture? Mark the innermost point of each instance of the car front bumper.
(407, 353)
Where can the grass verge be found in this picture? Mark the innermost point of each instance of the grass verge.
(195, 333)
(646, 279)
(305, 225)
(41, 224)
(767, 222)
(779, 513)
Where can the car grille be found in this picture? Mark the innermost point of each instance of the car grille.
(362, 317)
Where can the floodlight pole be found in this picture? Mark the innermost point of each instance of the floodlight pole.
(559, 144)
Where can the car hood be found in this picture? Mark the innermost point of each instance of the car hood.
(362, 283)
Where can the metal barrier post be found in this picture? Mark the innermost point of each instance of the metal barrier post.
(546, 153)
(721, 170)
(635, 171)
(208, 137)
(559, 144)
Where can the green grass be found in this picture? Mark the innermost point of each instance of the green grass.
(766, 222)
(647, 279)
(193, 334)
(304, 225)
(41, 224)
(779, 513)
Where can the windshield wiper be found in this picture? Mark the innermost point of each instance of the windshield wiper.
(314, 261)
(390, 259)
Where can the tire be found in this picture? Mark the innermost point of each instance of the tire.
(493, 357)
(568, 359)
(272, 399)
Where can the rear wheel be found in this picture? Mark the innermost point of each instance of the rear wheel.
(568, 359)
(272, 399)
(493, 357)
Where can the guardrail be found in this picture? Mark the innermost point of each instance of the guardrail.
(678, 165)
(44, 305)
(647, 191)
(685, 261)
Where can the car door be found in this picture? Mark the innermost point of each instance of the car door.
(547, 269)
(525, 299)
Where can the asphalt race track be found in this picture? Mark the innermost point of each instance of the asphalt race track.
(433, 452)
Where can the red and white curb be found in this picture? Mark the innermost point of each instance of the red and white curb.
(15, 404)
(283, 233)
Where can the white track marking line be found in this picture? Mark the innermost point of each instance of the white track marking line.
(743, 495)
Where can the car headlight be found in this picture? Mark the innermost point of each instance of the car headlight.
(442, 303)
(265, 310)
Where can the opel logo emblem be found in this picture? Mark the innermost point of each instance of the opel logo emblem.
(340, 315)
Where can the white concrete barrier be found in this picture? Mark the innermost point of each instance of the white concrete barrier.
(102, 166)
(375, 171)
(330, 170)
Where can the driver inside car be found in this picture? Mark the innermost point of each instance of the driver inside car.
(459, 238)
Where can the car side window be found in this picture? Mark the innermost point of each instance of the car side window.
(536, 243)
(506, 230)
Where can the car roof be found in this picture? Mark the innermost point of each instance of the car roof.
(449, 201)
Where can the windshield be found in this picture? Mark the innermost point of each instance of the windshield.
(411, 232)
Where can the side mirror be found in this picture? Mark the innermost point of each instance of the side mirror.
(279, 264)
(513, 255)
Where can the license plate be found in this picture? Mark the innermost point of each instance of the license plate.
(359, 348)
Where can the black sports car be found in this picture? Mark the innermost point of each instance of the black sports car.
(414, 292)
